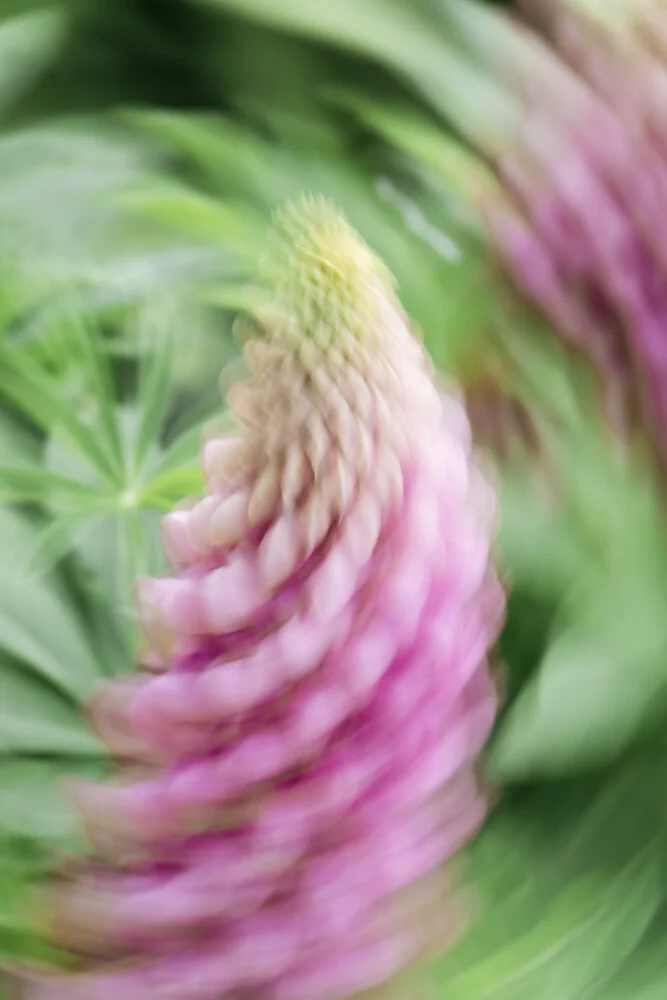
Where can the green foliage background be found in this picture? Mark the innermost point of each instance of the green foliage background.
(142, 150)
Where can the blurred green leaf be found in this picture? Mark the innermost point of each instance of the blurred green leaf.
(644, 977)
(36, 719)
(35, 394)
(38, 625)
(408, 40)
(28, 43)
(18, 485)
(589, 700)
(60, 534)
(182, 453)
(232, 228)
(570, 880)
(17, 446)
(599, 553)
(32, 803)
(59, 224)
(155, 390)
(96, 371)
(541, 549)
(423, 139)
(224, 152)
(168, 487)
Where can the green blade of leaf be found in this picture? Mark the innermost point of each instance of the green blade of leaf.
(179, 454)
(570, 879)
(596, 690)
(542, 550)
(154, 396)
(37, 623)
(194, 216)
(223, 152)
(32, 803)
(426, 142)
(140, 553)
(33, 392)
(36, 719)
(61, 534)
(27, 45)
(236, 298)
(17, 446)
(566, 953)
(96, 367)
(644, 976)
(22, 485)
(406, 41)
(168, 488)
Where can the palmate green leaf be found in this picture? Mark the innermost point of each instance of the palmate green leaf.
(297, 114)
(253, 172)
(545, 540)
(115, 540)
(556, 387)
(198, 335)
(48, 666)
(113, 527)
(79, 527)
(528, 622)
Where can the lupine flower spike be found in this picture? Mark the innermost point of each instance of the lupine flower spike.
(585, 239)
(306, 744)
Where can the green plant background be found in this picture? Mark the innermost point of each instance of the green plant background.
(142, 150)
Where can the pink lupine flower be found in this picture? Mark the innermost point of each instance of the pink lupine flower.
(306, 743)
(588, 175)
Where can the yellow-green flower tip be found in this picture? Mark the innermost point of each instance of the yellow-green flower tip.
(326, 283)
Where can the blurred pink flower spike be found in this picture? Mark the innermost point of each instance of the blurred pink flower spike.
(309, 751)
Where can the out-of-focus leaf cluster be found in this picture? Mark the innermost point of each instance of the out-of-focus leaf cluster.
(141, 153)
